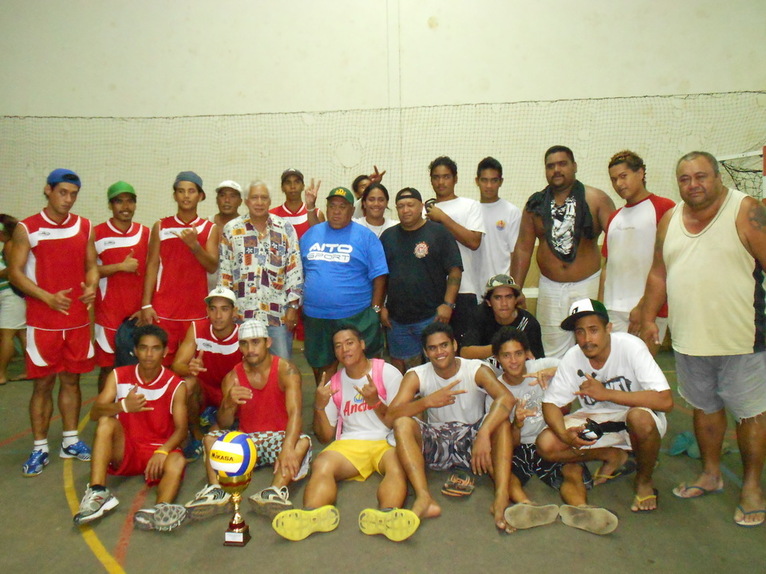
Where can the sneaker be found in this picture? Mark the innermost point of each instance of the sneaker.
(193, 450)
(208, 502)
(271, 501)
(35, 463)
(94, 504)
(78, 450)
(298, 524)
(396, 524)
(207, 418)
(163, 517)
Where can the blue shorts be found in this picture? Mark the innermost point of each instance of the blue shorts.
(281, 341)
(404, 339)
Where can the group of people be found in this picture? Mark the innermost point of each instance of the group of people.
(475, 381)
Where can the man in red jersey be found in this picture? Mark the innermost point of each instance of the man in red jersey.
(207, 354)
(141, 416)
(183, 249)
(121, 247)
(53, 262)
(301, 215)
(263, 392)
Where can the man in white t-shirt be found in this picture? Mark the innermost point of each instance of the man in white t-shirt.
(459, 432)
(502, 220)
(463, 218)
(617, 381)
(352, 407)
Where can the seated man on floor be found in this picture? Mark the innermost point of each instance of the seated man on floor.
(526, 378)
(263, 393)
(498, 310)
(620, 387)
(458, 433)
(141, 416)
(352, 407)
(209, 351)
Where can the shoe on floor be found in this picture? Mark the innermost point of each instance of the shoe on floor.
(208, 502)
(589, 518)
(78, 450)
(396, 524)
(271, 501)
(163, 517)
(524, 515)
(460, 483)
(298, 524)
(94, 504)
(35, 463)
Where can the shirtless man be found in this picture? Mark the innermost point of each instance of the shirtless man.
(568, 254)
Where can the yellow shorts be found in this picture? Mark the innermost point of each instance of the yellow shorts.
(365, 455)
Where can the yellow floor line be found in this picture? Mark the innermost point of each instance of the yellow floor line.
(99, 550)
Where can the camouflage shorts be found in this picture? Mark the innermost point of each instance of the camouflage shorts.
(448, 445)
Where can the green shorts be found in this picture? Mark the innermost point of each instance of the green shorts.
(318, 347)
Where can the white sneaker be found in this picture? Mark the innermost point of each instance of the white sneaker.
(163, 517)
(94, 504)
(208, 502)
(271, 501)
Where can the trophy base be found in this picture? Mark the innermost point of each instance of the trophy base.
(238, 537)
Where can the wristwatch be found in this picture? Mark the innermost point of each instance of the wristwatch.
(376, 308)
(450, 305)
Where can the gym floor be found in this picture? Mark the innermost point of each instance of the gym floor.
(682, 536)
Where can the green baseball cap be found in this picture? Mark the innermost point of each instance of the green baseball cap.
(342, 192)
(119, 187)
(582, 308)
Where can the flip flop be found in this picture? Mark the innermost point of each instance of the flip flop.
(637, 500)
(629, 467)
(741, 521)
(524, 515)
(458, 484)
(589, 518)
(682, 490)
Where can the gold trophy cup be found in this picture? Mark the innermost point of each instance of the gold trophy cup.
(238, 533)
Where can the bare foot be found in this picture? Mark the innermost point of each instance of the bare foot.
(497, 509)
(426, 507)
(610, 467)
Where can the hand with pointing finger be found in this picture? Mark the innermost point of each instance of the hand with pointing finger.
(324, 393)
(369, 392)
(312, 192)
(444, 396)
(196, 366)
(592, 388)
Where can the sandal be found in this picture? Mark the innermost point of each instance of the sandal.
(459, 483)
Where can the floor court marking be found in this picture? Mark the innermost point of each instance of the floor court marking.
(121, 548)
(24, 433)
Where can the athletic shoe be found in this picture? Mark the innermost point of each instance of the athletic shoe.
(589, 518)
(271, 501)
(396, 524)
(35, 463)
(78, 450)
(207, 418)
(208, 502)
(193, 450)
(298, 524)
(94, 504)
(163, 517)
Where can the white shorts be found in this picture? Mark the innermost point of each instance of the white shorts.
(13, 310)
(620, 321)
(553, 302)
(614, 439)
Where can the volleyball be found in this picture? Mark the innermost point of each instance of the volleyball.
(233, 454)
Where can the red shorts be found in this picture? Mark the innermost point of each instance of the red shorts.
(104, 339)
(176, 331)
(64, 351)
(134, 460)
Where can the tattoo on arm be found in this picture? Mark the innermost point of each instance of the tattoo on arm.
(757, 217)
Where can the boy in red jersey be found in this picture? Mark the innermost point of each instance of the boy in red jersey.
(183, 249)
(141, 416)
(121, 247)
(264, 393)
(53, 261)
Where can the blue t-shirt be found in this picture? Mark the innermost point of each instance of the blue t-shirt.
(339, 266)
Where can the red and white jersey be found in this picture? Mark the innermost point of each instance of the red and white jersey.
(299, 219)
(219, 359)
(629, 249)
(181, 280)
(56, 262)
(119, 295)
(153, 427)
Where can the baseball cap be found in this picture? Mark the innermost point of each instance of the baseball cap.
(230, 184)
(291, 171)
(189, 176)
(222, 292)
(62, 175)
(119, 187)
(501, 280)
(344, 193)
(408, 192)
(583, 308)
(253, 330)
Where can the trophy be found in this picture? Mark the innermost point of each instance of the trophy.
(233, 457)
(238, 533)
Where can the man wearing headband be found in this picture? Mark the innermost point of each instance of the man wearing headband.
(54, 263)
(263, 393)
